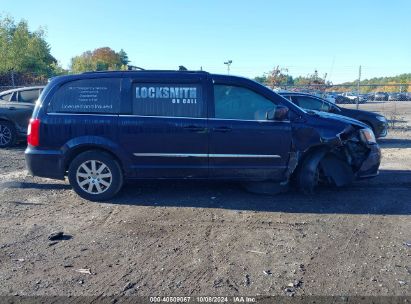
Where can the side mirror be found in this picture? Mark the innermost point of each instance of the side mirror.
(280, 113)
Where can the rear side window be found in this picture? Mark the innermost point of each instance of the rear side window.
(87, 96)
(29, 96)
(165, 99)
(312, 104)
(6, 97)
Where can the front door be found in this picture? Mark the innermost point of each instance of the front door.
(243, 143)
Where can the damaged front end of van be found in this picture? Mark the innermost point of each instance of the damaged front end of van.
(319, 157)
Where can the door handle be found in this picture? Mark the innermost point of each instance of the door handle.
(222, 129)
(195, 129)
(12, 108)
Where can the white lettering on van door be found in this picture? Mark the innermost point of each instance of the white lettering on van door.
(184, 95)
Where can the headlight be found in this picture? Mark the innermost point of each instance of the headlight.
(367, 136)
(381, 118)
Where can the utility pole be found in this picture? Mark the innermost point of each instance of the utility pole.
(358, 86)
(228, 63)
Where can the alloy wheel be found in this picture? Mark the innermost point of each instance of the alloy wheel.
(94, 177)
(5, 135)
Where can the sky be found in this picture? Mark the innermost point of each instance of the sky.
(333, 37)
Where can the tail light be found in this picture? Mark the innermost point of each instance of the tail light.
(33, 132)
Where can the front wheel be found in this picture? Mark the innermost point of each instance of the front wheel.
(95, 176)
(309, 175)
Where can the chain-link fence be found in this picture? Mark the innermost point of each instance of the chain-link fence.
(391, 100)
(12, 80)
(348, 94)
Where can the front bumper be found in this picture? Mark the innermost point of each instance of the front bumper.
(45, 163)
(369, 167)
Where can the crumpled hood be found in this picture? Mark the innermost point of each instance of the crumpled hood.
(341, 118)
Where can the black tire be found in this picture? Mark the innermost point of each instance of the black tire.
(308, 174)
(8, 134)
(102, 187)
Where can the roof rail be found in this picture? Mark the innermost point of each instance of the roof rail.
(134, 68)
(139, 71)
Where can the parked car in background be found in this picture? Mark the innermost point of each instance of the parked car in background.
(380, 96)
(364, 97)
(328, 96)
(345, 100)
(397, 97)
(339, 99)
(370, 96)
(350, 97)
(16, 107)
(378, 123)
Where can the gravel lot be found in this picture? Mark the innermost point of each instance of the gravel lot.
(192, 238)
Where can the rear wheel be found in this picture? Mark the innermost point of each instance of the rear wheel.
(7, 134)
(95, 176)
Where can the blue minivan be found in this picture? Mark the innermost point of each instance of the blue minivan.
(102, 128)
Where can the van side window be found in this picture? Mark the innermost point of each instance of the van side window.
(7, 97)
(232, 102)
(29, 96)
(165, 99)
(87, 96)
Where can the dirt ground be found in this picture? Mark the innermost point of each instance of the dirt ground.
(196, 238)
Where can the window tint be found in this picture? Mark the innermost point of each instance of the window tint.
(88, 96)
(6, 97)
(233, 102)
(312, 104)
(29, 96)
(174, 100)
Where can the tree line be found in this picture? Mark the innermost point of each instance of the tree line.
(25, 56)
(384, 84)
(279, 78)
